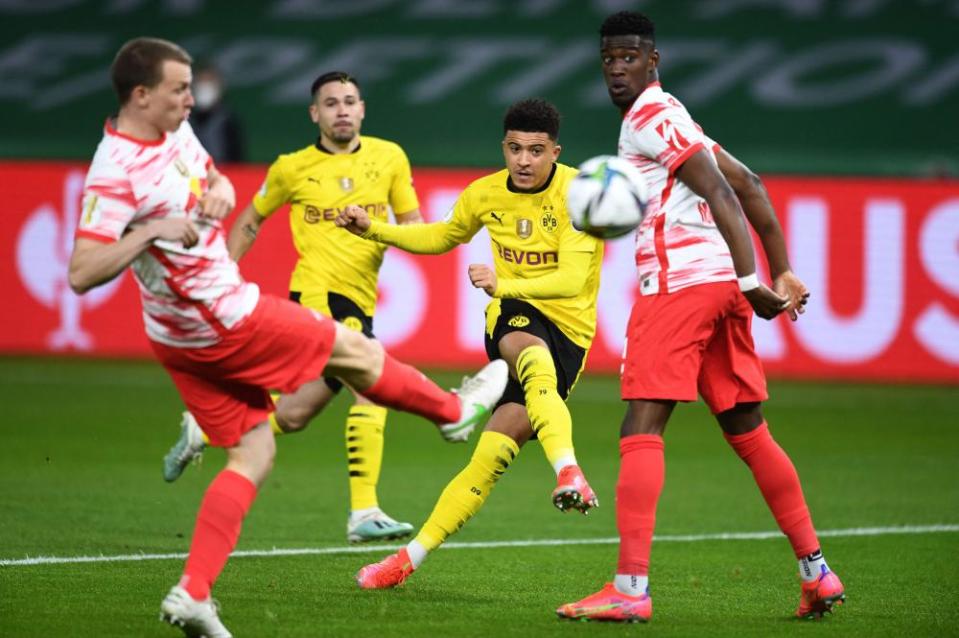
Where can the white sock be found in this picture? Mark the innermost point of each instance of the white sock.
(563, 461)
(417, 553)
(811, 567)
(631, 585)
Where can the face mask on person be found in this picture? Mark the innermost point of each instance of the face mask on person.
(206, 94)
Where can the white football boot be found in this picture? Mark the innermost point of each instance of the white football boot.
(188, 447)
(478, 394)
(197, 618)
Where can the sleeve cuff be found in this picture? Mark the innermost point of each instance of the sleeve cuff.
(89, 234)
(685, 155)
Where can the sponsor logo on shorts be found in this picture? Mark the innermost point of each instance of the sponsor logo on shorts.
(518, 321)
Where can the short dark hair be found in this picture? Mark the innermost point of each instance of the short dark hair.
(139, 62)
(332, 76)
(629, 23)
(533, 116)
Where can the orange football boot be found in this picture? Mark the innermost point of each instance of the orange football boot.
(389, 572)
(609, 604)
(819, 596)
(573, 492)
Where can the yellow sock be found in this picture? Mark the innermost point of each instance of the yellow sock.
(548, 414)
(364, 452)
(274, 424)
(467, 492)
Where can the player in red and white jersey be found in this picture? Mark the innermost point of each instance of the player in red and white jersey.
(679, 244)
(689, 331)
(154, 200)
(191, 296)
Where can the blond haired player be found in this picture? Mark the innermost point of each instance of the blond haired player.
(336, 273)
(541, 320)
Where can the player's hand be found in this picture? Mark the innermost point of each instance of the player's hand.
(354, 219)
(788, 285)
(765, 302)
(482, 276)
(178, 229)
(219, 199)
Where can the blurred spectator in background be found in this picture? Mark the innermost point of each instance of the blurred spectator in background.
(214, 122)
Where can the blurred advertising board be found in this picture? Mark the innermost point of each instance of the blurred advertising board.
(880, 256)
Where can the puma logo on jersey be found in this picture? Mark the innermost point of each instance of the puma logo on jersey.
(496, 217)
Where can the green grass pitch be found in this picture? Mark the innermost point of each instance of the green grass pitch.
(80, 476)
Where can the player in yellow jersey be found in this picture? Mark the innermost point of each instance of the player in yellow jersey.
(336, 272)
(541, 320)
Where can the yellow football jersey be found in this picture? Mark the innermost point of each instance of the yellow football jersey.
(318, 185)
(527, 232)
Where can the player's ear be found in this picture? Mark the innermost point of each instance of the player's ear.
(139, 94)
(362, 110)
(557, 149)
(654, 59)
(314, 113)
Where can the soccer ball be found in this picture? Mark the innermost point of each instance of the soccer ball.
(608, 197)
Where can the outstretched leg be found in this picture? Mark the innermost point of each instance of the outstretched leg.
(463, 497)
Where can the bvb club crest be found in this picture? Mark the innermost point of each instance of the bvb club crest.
(548, 221)
(346, 183)
(524, 228)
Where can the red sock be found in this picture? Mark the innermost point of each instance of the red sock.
(777, 480)
(642, 471)
(217, 527)
(405, 388)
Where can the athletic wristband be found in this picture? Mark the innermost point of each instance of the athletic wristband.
(749, 282)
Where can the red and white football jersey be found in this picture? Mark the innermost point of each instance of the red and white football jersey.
(678, 244)
(190, 296)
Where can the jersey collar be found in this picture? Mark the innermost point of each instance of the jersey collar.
(512, 188)
(110, 129)
(319, 146)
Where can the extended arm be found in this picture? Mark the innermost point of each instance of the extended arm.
(564, 282)
(759, 211)
(412, 217)
(704, 178)
(429, 239)
(94, 263)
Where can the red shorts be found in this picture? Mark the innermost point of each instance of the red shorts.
(280, 346)
(696, 338)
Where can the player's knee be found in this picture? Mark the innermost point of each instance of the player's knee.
(535, 367)
(646, 417)
(356, 359)
(292, 418)
(253, 457)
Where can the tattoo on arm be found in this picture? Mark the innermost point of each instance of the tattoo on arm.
(250, 230)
